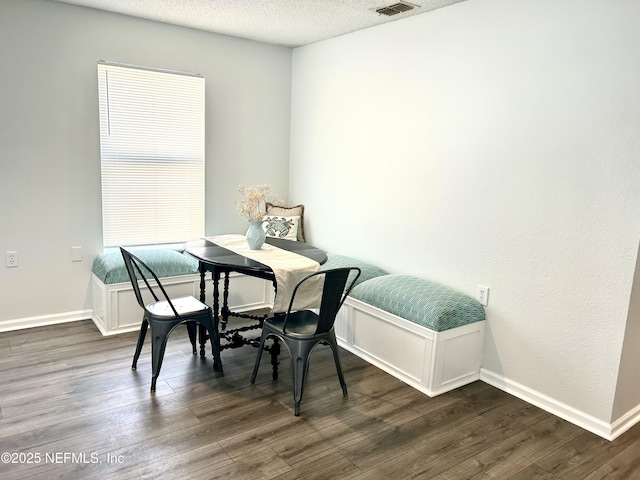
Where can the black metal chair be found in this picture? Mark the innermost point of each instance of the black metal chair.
(164, 315)
(302, 330)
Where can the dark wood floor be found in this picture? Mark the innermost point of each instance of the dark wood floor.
(71, 405)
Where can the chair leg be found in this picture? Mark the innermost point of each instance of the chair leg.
(258, 357)
(299, 367)
(141, 336)
(336, 358)
(191, 330)
(299, 376)
(160, 336)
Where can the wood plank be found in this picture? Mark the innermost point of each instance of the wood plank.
(68, 390)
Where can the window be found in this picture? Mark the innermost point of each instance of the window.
(152, 155)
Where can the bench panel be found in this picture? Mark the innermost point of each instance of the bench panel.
(407, 353)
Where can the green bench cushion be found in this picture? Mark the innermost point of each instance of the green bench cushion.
(420, 301)
(109, 267)
(368, 271)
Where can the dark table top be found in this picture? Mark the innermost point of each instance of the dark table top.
(212, 255)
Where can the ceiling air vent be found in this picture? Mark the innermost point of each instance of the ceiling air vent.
(395, 9)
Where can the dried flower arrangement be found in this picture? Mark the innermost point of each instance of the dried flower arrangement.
(254, 198)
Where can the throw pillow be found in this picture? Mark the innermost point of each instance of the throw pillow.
(281, 227)
(297, 211)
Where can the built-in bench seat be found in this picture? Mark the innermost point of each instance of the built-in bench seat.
(115, 308)
(426, 334)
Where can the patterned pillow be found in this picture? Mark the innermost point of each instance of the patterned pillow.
(281, 227)
(420, 301)
(367, 271)
(297, 211)
(109, 267)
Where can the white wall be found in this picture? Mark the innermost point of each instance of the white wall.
(49, 141)
(492, 142)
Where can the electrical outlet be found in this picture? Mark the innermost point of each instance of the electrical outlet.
(12, 259)
(483, 295)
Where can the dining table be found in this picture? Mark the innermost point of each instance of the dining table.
(220, 262)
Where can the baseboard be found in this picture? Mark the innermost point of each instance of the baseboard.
(566, 412)
(42, 320)
(624, 423)
(105, 333)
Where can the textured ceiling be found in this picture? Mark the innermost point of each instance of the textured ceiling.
(282, 22)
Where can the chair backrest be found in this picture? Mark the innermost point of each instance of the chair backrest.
(336, 287)
(138, 270)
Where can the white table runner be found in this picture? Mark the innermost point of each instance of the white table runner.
(288, 267)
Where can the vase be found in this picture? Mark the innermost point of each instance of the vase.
(255, 235)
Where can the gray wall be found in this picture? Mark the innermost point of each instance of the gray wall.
(49, 142)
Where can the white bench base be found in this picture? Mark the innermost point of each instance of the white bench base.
(431, 362)
(116, 310)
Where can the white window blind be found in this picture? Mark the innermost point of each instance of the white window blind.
(152, 155)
